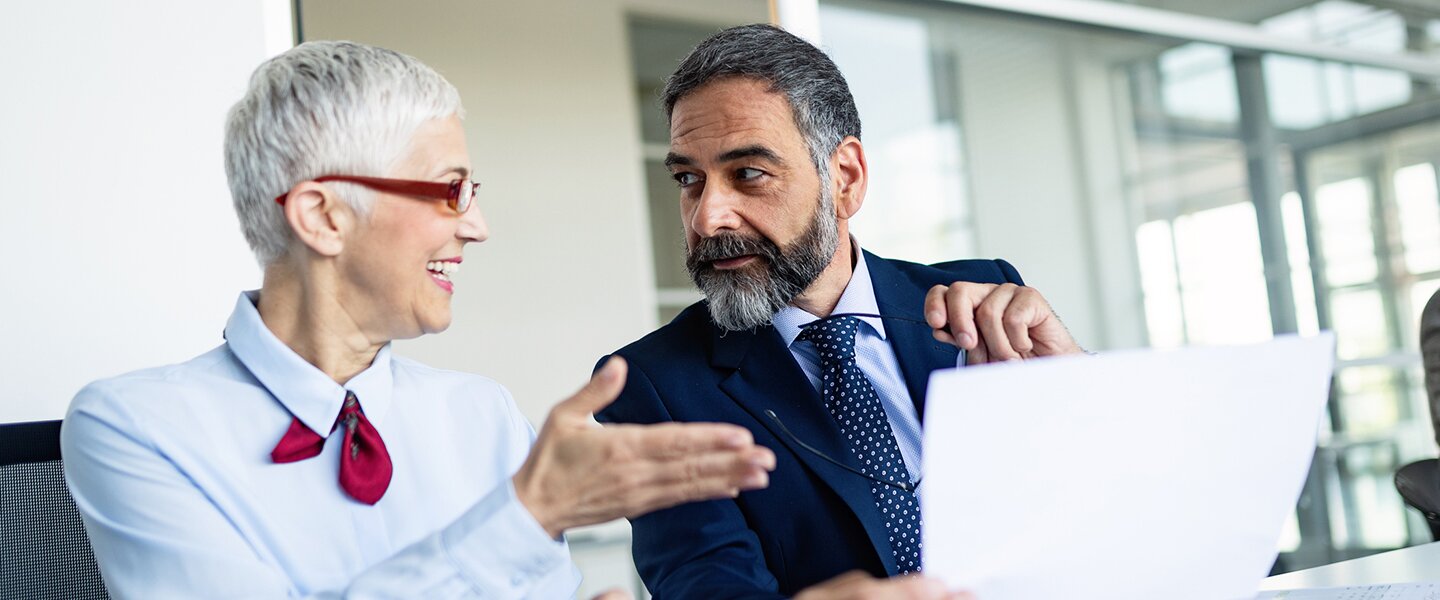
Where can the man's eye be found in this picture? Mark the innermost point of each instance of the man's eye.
(747, 173)
(685, 179)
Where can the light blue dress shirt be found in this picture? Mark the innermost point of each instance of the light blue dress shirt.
(873, 354)
(171, 470)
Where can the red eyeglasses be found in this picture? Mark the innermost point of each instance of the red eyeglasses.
(458, 195)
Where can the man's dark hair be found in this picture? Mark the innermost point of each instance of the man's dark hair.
(818, 95)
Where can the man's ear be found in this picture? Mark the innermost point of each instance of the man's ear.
(318, 218)
(848, 175)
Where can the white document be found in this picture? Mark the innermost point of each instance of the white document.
(1127, 475)
(1394, 591)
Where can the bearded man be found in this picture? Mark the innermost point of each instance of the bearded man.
(820, 349)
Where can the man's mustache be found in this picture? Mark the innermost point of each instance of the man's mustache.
(730, 245)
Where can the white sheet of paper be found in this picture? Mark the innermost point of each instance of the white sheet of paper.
(1128, 475)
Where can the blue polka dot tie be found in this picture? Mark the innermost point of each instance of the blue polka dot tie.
(857, 409)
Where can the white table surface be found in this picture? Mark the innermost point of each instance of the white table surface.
(1406, 565)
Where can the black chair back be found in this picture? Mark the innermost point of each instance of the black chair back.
(44, 552)
(1419, 481)
(1419, 484)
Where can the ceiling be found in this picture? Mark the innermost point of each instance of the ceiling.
(1254, 11)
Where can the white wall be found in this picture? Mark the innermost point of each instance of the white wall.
(118, 246)
(1023, 168)
(1040, 125)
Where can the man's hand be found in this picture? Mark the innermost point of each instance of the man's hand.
(996, 323)
(580, 473)
(859, 585)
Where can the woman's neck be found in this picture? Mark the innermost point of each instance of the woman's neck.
(307, 316)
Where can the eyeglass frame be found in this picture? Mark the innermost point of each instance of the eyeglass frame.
(905, 486)
(453, 193)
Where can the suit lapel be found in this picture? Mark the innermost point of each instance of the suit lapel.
(764, 376)
(915, 347)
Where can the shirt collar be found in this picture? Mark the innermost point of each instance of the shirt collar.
(858, 297)
(302, 388)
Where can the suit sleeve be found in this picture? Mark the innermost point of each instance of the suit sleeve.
(1008, 270)
(697, 550)
(996, 271)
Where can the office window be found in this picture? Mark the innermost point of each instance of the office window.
(1339, 238)
(1307, 93)
(1419, 211)
(1376, 223)
(1360, 230)
(1357, 237)
(1198, 83)
(902, 79)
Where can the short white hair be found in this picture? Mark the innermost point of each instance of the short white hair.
(324, 108)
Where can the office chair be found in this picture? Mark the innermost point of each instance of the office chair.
(1419, 481)
(44, 552)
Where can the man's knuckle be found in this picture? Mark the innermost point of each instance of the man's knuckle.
(694, 471)
(679, 445)
(695, 490)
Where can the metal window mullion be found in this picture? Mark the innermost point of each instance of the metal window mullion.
(1262, 164)
(1383, 219)
(1396, 272)
(1417, 40)
(1312, 511)
(1391, 258)
(1263, 174)
(1300, 162)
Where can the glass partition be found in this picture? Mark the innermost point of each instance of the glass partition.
(1177, 169)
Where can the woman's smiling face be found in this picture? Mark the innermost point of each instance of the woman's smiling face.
(396, 267)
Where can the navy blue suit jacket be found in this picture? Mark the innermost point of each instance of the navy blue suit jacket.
(815, 520)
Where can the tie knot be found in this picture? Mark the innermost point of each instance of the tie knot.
(352, 404)
(834, 337)
(350, 412)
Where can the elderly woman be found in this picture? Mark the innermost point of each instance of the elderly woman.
(301, 457)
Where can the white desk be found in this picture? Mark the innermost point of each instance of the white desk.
(1406, 565)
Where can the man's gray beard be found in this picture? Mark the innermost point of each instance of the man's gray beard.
(742, 299)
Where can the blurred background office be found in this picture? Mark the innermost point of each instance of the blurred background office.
(1167, 172)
